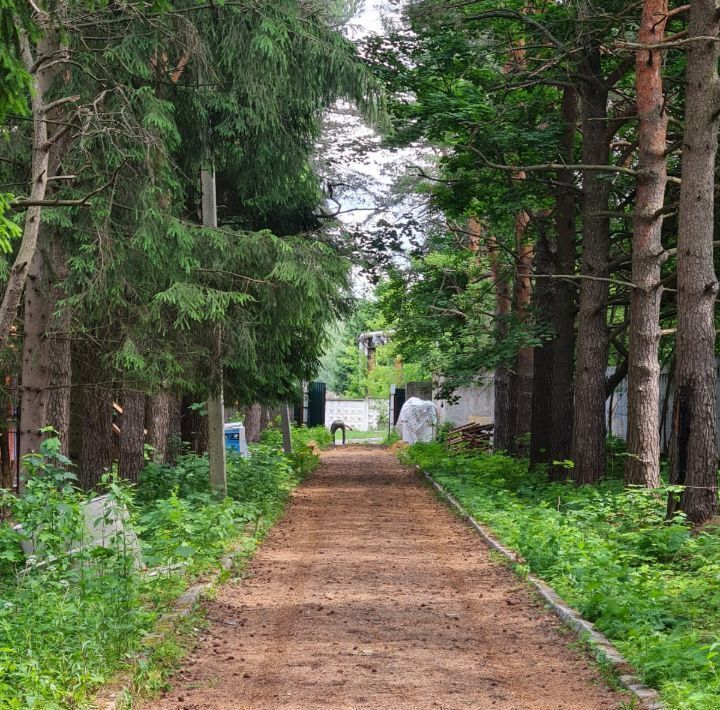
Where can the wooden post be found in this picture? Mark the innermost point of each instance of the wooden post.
(215, 407)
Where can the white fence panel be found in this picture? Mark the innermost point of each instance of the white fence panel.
(360, 414)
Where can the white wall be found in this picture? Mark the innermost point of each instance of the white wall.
(360, 414)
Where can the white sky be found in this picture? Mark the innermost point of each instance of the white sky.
(351, 154)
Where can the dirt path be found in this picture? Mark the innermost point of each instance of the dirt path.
(371, 594)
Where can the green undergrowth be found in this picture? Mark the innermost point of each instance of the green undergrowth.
(69, 622)
(301, 437)
(651, 585)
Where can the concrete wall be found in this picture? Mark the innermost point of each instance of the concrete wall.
(618, 420)
(476, 404)
(470, 405)
(360, 414)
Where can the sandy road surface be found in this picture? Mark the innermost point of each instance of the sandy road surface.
(371, 594)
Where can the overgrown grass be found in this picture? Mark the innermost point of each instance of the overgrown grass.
(301, 437)
(70, 623)
(650, 585)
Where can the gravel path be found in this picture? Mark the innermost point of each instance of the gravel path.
(371, 594)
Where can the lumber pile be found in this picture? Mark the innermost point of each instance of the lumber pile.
(470, 436)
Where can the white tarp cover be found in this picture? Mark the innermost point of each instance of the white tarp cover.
(417, 421)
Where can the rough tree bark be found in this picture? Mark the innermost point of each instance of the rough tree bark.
(694, 451)
(97, 434)
(544, 355)
(47, 371)
(34, 359)
(565, 296)
(57, 344)
(174, 447)
(7, 470)
(588, 448)
(160, 411)
(46, 366)
(523, 380)
(642, 467)
(132, 435)
(252, 421)
(504, 414)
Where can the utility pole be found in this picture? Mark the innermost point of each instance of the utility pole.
(215, 407)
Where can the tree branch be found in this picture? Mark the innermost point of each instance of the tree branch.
(553, 167)
(573, 277)
(513, 15)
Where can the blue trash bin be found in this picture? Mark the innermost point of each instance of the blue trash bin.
(235, 438)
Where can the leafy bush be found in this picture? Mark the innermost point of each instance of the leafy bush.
(649, 584)
(68, 623)
(301, 437)
(443, 431)
(71, 617)
(195, 530)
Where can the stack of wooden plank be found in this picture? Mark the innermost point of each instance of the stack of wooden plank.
(470, 436)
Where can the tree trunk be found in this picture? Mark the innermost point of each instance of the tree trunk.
(7, 470)
(523, 380)
(193, 426)
(588, 450)
(504, 415)
(642, 467)
(132, 435)
(565, 297)
(57, 345)
(544, 356)
(695, 453)
(39, 170)
(34, 378)
(77, 406)
(97, 434)
(253, 417)
(46, 368)
(160, 413)
(216, 445)
(266, 417)
(174, 447)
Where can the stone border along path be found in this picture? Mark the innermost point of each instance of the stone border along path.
(648, 698)
(371, 593)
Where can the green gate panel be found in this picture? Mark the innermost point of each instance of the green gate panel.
(316, 404)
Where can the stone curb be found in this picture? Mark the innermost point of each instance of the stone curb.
(167, 622)
(648, 698)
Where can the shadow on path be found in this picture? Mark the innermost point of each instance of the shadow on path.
(369, 593)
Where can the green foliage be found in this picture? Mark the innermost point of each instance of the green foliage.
(649, 584)
(194, 530)
(349, 375)
(67, 619)
(14, 79)
(148, 287)
(68, 622)
(301, 437)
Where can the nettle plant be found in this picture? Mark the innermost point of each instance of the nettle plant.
(51, 517)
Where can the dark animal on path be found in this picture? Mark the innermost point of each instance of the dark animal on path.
(339, 425)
